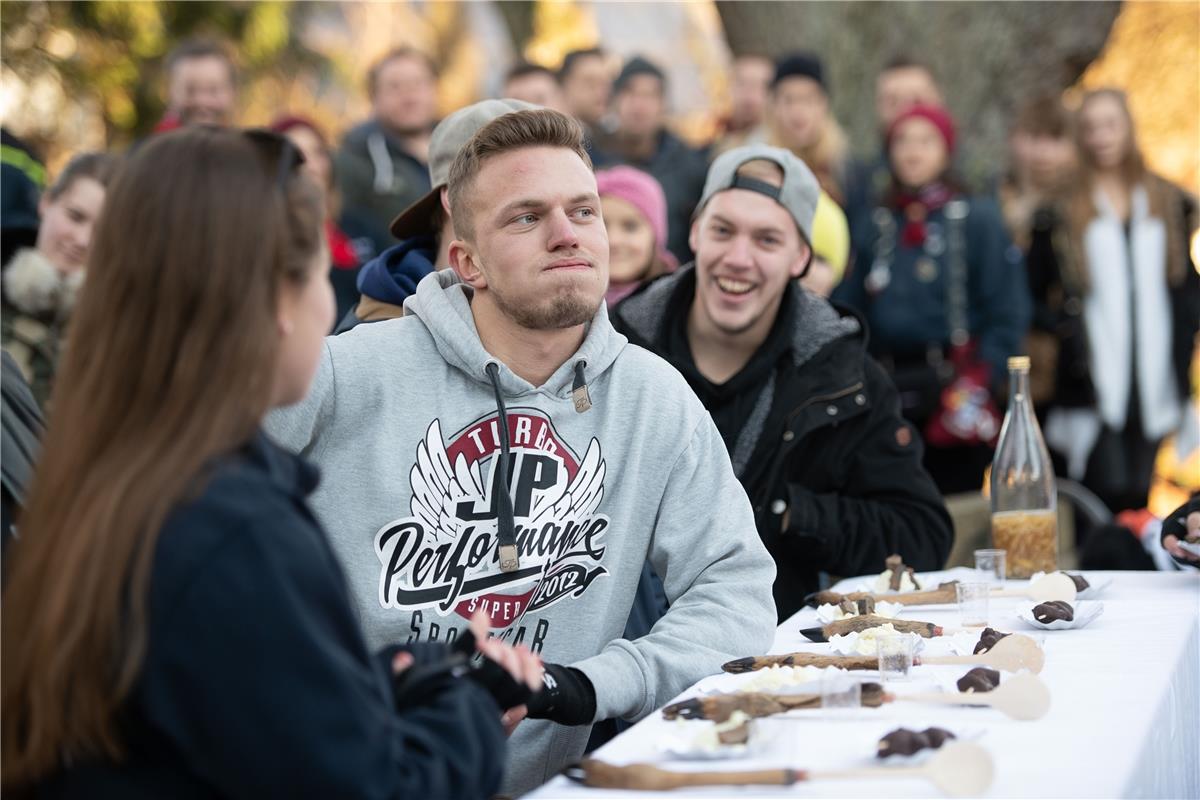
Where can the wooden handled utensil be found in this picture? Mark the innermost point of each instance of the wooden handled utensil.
(863, 622)
(752, 663)
(1011, 654)
(720, 707)
(1022, 697)
(944, 593)
(959, 769)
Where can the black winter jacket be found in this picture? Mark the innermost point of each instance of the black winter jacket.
(257, 681)
(834, 474)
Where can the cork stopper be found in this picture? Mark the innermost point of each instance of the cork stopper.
(1020, 363)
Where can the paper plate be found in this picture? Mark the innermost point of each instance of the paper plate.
(684, 742)
(828, 612)
(847, 645)
(1085, 612)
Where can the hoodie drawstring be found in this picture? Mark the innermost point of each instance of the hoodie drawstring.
(381, 159)
(505, 520)
(579, 390)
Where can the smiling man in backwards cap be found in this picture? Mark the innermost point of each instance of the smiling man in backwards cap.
(811, 422)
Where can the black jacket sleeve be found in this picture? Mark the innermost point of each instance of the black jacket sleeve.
(261, 678)
(888, 502)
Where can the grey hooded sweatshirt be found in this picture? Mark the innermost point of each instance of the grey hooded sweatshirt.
(402, 419)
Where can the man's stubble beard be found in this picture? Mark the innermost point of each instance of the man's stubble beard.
(565, 309)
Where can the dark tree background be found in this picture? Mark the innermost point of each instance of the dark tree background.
(988, 56)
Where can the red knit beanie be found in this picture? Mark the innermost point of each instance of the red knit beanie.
(939, 116)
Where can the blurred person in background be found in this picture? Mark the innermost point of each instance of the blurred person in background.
(830, 248)
(903, 82)
(586, 82)
(642, 140)
(1130, 229)
(749, 93)
(1032, 195)
(344, 257)
(201, 85)
(635, 216)
(534, 84)
(174, 622)
(426, 228)
(801, 121)
(381, 164)
(41, 283)
(943, 291)
(22, 176)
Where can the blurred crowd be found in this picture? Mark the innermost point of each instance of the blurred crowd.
(1074, 251)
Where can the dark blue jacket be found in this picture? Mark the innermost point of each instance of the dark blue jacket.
(910, 313)
(393, 275)
(257, 681)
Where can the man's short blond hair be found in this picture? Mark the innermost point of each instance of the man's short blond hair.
(534, 128)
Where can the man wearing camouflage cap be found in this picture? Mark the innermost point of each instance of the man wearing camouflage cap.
(424, 228)
(811, 422)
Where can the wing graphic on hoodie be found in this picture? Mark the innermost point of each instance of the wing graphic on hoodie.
(437, 488)
(582, 496)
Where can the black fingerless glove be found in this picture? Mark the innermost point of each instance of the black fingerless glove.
(567, 697)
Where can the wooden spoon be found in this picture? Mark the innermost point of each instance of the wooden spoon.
(752, 663)
(1055, 586)
(944, 593)
(960, 769)
(1022, 697)
(1011, 654)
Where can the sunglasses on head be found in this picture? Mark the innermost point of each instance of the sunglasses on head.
(288, 157)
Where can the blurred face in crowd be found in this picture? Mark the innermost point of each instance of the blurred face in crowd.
(747, 250)
(200, 91)
(405, 98)
(820, 278)
(1106, 131)
(586, 89)
(750, 89)
(800, 109)
(317, 164)
(1045, 159)
(537, 250)
(305, 313)
(65, 232)
(539, 88)
(631, 243)
(918, 153)
(898, 90)
(640, 106)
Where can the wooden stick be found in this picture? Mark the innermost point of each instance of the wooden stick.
(944, 593)
(758, 704)
(864, 622)
(753, 663)
(645, 777)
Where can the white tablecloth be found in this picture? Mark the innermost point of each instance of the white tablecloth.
(1124, 719)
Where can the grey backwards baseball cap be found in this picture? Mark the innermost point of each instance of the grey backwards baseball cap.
(447, 139)
(799, 191)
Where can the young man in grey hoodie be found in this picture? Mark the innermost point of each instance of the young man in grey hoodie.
(506, 373)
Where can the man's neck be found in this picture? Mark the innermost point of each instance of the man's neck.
(414, 142)
(719, 355)
(534, 355)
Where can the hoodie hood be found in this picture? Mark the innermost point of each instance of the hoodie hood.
(393, 275)
(817, 322)
(442, 303)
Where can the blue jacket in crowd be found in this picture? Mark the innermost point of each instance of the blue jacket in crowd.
(257, 681)
(386, 281)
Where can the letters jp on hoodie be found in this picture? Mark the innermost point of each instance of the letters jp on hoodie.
(402, 418)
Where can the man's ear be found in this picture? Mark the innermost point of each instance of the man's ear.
(800, 265)
(694, 235)
(465, 264)
(444, 198)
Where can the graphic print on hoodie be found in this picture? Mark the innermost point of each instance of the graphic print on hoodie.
(403, 422)
(444, 554)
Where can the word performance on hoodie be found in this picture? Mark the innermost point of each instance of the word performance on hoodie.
(445, 554)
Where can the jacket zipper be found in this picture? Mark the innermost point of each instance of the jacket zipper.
(824, 398)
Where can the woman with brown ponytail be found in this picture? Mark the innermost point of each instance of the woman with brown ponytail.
(174, 622)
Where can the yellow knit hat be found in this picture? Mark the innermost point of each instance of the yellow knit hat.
(831, 235)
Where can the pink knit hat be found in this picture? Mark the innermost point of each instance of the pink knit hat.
(644, 193)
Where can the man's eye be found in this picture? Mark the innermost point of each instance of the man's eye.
(586, 212)
(526, 219)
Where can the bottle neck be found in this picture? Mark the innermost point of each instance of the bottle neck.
(1018, 388)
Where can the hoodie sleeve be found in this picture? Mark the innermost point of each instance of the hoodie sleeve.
(297, 427)
(261, 677)
(718, 578)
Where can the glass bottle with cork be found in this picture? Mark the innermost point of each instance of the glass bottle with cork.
(1024, 498)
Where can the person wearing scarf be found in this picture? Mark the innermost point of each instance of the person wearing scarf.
(944, 294)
